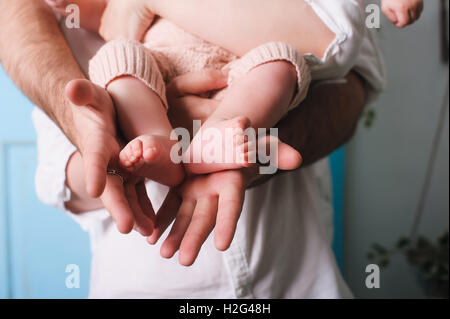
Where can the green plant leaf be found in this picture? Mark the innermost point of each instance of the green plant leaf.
(380, 249)
(443, 239)
(369, 118)
(384, 263)
(423, 243)
(403, 243)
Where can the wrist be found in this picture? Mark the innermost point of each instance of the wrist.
(72, 129)
(64, 116)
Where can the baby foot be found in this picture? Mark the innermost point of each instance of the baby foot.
(285, 158)
(236, 150)
(149, 156)
(220, 145)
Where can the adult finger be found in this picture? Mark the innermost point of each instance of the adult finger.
(184, 109)
(198, 82)
(193, 104)
(96, 158)
(143, 224)
(85, 94)
(97, 146)
(181, 224)
(229, 210)
(117, 204)
(201, 225)
(144, 201)
(165, 216)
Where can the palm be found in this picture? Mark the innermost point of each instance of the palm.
(94, 120)
(97, 141)
(200, 186)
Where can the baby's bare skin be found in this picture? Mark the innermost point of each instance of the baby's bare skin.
(268, 91)
(402, 12)
(143, 120)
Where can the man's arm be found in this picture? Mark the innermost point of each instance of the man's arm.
(326, 120)
(36, 56)
(38, 59)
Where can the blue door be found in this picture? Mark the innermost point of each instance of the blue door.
(37, 243)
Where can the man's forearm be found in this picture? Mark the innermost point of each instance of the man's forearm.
(36, 56)
(326, 120)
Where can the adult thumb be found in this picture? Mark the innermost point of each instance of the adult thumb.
(197, 83)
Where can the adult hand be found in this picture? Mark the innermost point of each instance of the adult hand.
(185, 96)
(125, 19)
(200, 204)
(94, 120)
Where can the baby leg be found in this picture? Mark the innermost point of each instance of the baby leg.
(143, 120)
(138, 92)
(91, 11)
(267, 82)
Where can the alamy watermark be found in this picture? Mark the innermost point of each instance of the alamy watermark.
(216, 147)
(373, 16)
(372, 20)
(73, 277)
(73, 16)
(373, 277)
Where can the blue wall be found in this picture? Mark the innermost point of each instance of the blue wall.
(36, 242)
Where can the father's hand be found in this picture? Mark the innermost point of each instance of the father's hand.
(94, 120)
(207, 202)
(185, 95)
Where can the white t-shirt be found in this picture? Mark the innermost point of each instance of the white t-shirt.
(282, 244)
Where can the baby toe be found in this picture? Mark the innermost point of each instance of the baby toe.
(150, 148)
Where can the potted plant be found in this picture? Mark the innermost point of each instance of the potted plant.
(430, 259)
